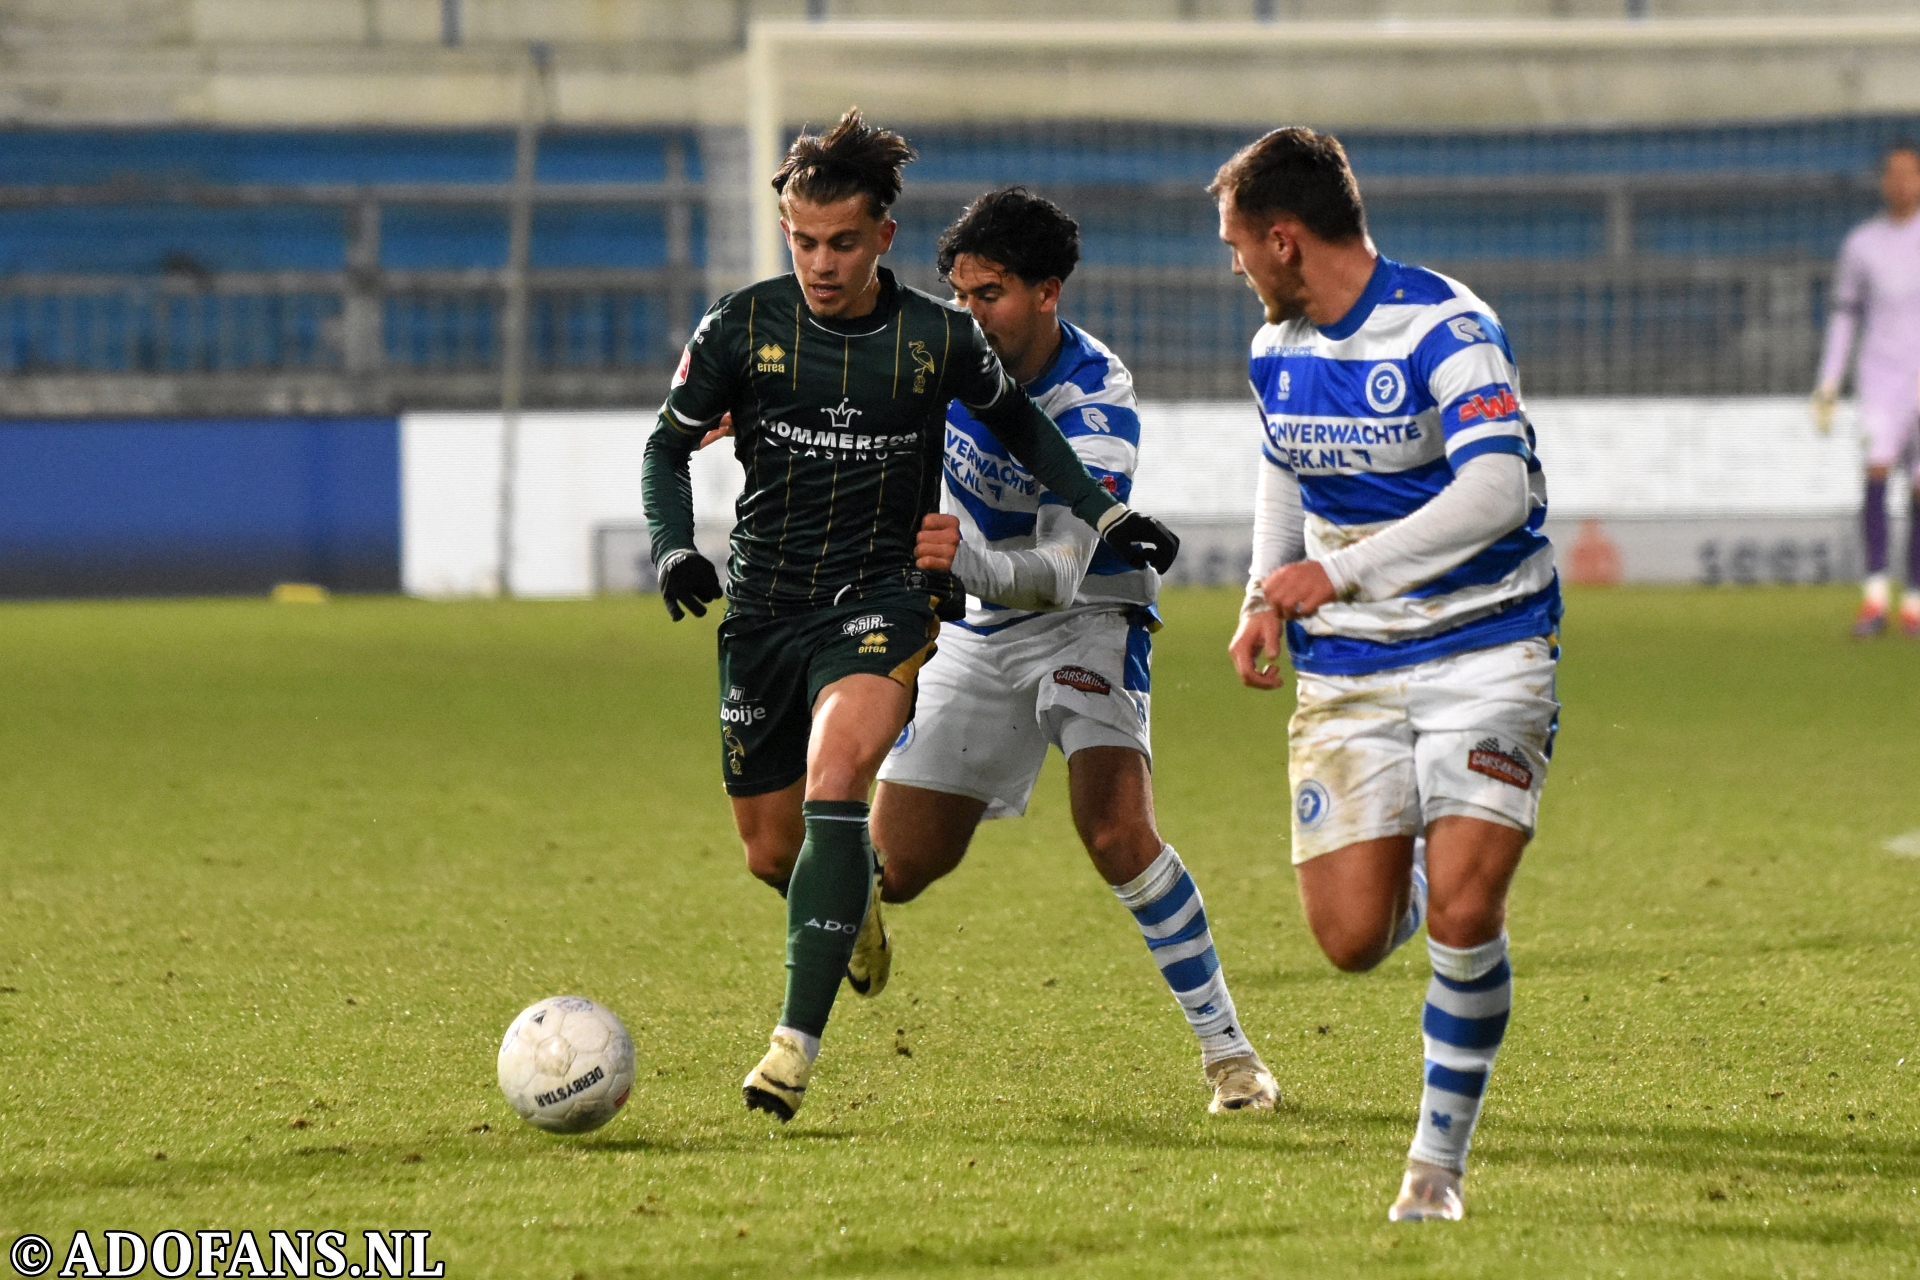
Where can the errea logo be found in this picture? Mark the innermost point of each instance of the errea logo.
(772, 358)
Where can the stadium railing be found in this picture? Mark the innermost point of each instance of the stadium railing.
(1654, 283)
(367, 338)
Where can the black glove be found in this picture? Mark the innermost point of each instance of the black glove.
(945, 590)
(687, 578)
(1141, 540)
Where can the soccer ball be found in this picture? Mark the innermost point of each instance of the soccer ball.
(566, 1065)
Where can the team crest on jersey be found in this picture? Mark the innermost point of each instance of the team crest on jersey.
(1311, 804)
(1386, 387)
(1286, 385)
(773, 358)
(923, 365)
(1509, 767)
(680, 374)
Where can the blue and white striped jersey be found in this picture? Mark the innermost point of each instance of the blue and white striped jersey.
(1089, 393)
(1373, 415)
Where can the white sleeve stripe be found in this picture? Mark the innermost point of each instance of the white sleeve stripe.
(1106, 452)
(1469, 369)
(1487, 431)
(685, 421)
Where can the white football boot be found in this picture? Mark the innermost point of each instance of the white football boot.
(1241, 1084)
(1429, 1193)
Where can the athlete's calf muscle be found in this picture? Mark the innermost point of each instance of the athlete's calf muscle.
(771, 830)
(1354, 896)
(921, 834)
(1112, 794)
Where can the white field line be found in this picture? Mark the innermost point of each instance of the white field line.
(1905, 846)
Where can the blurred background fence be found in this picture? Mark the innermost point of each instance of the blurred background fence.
(1624, 262)
(275, 242)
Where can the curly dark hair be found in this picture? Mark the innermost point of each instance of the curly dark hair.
(853, 159)
(1028, 235)
(1299, 172)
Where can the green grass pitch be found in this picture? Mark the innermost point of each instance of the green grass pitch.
(273, 880)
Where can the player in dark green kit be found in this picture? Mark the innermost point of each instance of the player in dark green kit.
(835, 381)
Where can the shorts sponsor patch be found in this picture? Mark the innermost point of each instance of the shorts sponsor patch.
(865, 622)
(1082, 679)
(1509, 767)
(1311, 804)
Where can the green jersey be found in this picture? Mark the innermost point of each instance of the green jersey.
(840, 426)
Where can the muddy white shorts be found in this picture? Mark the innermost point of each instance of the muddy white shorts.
(1380, 755)
(990, 705)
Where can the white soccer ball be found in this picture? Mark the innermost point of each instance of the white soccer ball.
(566, 1064)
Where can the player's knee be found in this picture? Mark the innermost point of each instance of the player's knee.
(771, 859)
(1121, 847)
(901, 883)
(1465, 921)
(1354, 952)
(1352, 944)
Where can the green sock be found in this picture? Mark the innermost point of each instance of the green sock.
(826, 901)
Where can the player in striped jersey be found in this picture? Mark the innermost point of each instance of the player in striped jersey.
(1397, 541)
(1057, 641)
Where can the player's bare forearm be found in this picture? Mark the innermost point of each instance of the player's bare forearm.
(1255, 650)
(1298, 590)
(937, 542)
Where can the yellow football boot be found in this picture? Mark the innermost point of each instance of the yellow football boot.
(779, 1083)
(872, 960)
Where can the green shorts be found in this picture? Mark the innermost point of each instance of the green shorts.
(773, 669)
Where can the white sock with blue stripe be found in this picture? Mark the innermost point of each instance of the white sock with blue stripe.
(1166, 904)
(1468, 1002)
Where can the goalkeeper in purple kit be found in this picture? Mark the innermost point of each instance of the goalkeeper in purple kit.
(1876, 299)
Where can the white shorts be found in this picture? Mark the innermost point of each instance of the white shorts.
(989, 705)
(1385, 754)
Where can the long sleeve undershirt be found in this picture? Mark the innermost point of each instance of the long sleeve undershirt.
(1487, 498)
(1046, 576)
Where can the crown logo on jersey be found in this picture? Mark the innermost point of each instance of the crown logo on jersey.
(842, 418)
